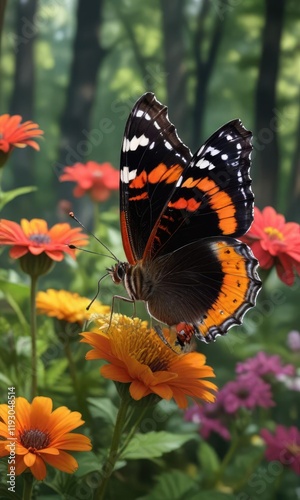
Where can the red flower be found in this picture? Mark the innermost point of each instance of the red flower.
(275, 242)
(97, 179)
(284, 446)
(14, 134)
(34, 237)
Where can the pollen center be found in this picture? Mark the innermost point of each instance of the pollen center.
(34, 438)
(40, 239)
(151, 355)
(273, 233)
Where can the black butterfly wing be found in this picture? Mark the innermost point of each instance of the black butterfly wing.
(213, 195)
(152, 160)
(209, 284)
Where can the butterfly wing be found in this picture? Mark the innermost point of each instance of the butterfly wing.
(212, 196)
(208, 284)
(152, 160)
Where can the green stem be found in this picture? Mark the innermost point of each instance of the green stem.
(27, 486)
(229, 455)
(133, 430)
(109, 465)
(33, 329)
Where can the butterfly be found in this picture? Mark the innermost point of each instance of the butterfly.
(180, 215)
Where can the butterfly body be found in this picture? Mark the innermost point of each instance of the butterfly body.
(180, 216)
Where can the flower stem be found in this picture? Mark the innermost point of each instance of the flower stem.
(108, 466)
(229, 455)
(33, 330)
(27, 486)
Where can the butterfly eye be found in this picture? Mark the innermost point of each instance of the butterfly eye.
(118, 272)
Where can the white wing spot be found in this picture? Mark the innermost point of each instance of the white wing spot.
(224, 157)
(127, 175)
(203, 163)
(229, 137)
(168, 145)
(135, 142)
(213, 151)
(238, 146)
(152, 145)
(141, 113)
(156, 125)
(178, 183)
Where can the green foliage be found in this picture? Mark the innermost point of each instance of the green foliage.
(154, 444)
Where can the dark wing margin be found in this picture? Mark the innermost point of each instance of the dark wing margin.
(209, 284)
(152, 160)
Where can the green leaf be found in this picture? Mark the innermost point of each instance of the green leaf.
(173, 485)
(103, 408)
(8, 196)
(87, 463)
(154, 444)
(208, 459)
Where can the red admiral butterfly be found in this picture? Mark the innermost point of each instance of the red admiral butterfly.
(180, 215)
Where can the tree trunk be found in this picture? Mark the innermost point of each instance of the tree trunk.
(204, 65)
(22, 99)
(175, 63)
(266, 149)
(88, 55)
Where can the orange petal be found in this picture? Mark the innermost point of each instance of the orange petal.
(29, 459)
(64, 462)
(38, 469)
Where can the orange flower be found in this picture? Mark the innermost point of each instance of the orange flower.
(139, 357)
(14, 134)
(34, 237)
(96, 179)
(38, 436)
(275, 242)
(68, 306)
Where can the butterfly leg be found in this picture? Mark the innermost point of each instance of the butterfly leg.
(124, 299)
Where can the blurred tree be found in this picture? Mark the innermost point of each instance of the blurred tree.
(207, 39)
(176, 59)
(23, 94)
(88, 56)
(266, 119)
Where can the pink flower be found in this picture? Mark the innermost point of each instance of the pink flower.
(210, 417)
(96, 179)
(246, 392)
(264, 364)
(293, 340)
(284, 446)
(275, 242)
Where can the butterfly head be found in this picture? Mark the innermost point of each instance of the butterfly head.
(118, 272)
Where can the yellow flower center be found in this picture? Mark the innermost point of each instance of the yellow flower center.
(131, 335)
(273, 233)
(34, 439)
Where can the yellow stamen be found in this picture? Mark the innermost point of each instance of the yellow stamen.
(273, 233)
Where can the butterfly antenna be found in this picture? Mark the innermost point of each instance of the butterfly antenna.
(74, 247)
(73, 216)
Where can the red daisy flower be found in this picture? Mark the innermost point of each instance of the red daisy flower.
(14, 134)
(275, 242)
(96, 179)
(34, 237)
